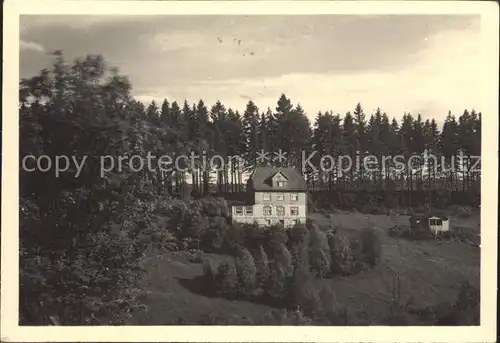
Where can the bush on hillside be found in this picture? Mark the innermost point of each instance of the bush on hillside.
(337, 246)
(399, 231)
(165, 240)
(331, 310)
(255, 236)
(277, 286)
(300, 255)
(213, 239)
(370, 246)
(287, 318)
(299, 234)
(261, 268)
(319, 253)
(235, 237)
(226, 281)
(467, 304)
(282, 257)
(354, 260)
(209, 274)
(247, 272)
(304, 293)
(278, 234)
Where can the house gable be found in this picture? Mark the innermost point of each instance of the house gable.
(278, 180)
(275, 179)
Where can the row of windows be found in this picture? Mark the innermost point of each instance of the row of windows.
(282, 222)
(267, 210)
(435, 222)
(281, 196)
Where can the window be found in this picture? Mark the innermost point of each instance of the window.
(267, 196)
(249, 210)
(268, 222)
(294, 211)
(280, 184)
(280, 211)
(282, 222)
(238, 210)
(268, 211)
(294, 197)
(280, 197)
(297, 221)
(435, 222)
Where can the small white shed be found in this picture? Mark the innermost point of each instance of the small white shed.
(439, 224)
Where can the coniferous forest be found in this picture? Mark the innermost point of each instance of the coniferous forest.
(82, 238)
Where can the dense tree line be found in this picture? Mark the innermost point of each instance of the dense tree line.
(226, 132)
(181, 128)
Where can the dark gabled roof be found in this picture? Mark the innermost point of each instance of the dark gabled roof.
(262, 176)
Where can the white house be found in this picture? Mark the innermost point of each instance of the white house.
(274, 195)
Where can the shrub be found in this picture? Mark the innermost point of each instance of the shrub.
(336, 247)
(254, 236)
(213, 239)
(209, 274)
(400, 231)
(282, 257)
(419, 230)
(278, 234)
(261, 267)
(235, 237)
(277, 287)
(305, 296)
(226, 281)
(319, 253)
(287, 317)
(330, 307)
(299, 234)
(354, 260)
(370, 246)
(300, 256)
(196, 226)
(247, 272)
(165, 240)
(467, 305)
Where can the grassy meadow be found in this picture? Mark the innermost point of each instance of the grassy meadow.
(429, 272)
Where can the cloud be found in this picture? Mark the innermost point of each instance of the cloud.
(326, 62)
(31, 46)
(444, 76)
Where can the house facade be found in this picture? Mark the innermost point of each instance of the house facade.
(274, 196)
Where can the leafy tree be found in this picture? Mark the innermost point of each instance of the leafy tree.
(82, 236)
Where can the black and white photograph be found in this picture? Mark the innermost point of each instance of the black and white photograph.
(250, 169)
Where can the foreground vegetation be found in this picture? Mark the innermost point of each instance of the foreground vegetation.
(431, 282)
(84, 236)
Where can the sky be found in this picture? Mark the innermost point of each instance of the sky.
(400, 63)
